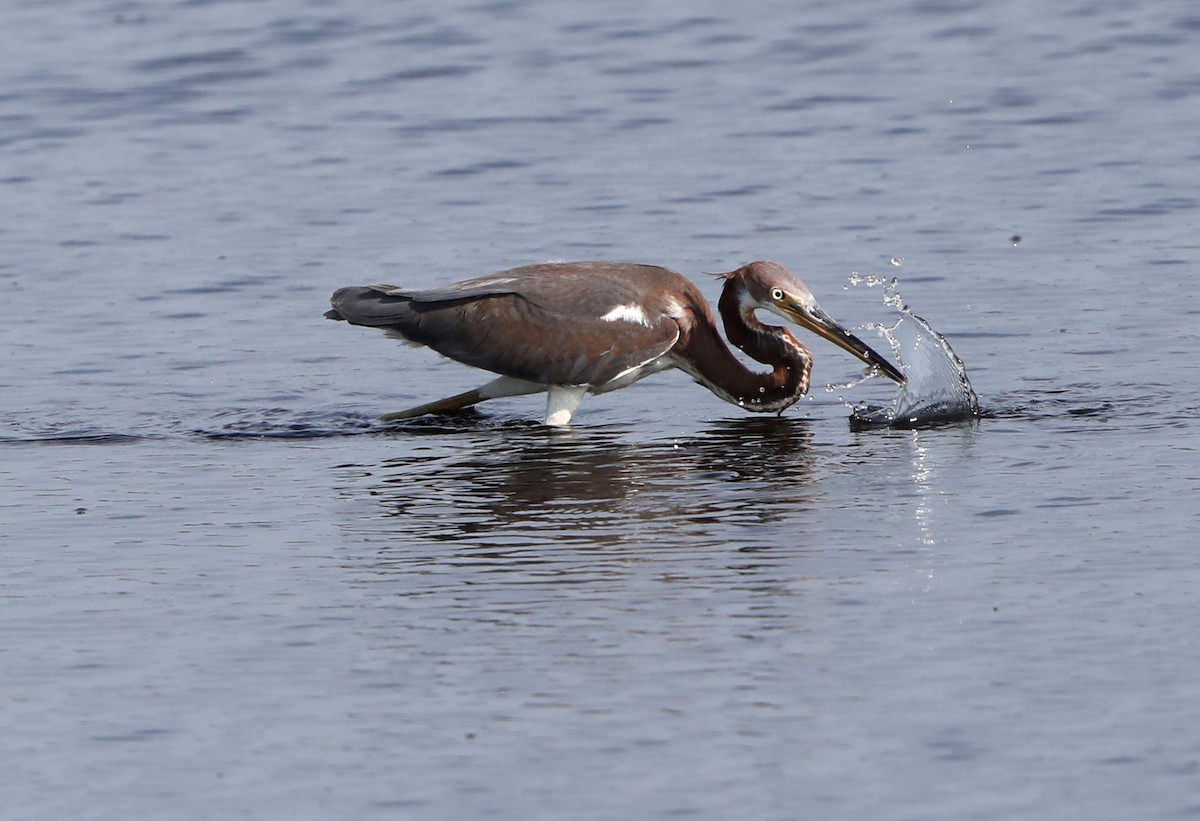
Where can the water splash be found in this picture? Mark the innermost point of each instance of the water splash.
(936, 390)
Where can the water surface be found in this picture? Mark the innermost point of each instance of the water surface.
(228, 591)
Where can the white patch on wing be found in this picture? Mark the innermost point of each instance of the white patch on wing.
(627, 313)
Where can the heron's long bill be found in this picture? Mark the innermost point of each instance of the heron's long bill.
(823, 325)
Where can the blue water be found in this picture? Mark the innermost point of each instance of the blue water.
(227, 592)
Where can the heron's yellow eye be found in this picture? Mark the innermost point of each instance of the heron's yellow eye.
(776, 294)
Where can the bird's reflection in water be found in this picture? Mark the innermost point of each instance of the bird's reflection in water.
(524, 495)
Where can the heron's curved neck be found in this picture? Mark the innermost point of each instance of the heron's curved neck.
(711, 361)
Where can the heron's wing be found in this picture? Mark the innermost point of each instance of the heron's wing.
(581, 326)
(557, 286)
(495, 285)
(511, 335)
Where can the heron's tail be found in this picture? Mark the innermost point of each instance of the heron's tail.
(370, 305)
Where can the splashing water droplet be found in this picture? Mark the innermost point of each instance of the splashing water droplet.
(936, 386)
(891, 294)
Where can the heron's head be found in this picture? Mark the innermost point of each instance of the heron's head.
(771, 287)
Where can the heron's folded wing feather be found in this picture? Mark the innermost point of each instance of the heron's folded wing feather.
(557, 287)
(510, 335)
(497, 285)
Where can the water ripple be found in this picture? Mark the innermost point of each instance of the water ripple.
(281, 423)
(512, 497)
(72, 437)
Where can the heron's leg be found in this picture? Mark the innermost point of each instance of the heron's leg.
(504, 386)
(448, 405)
(561, 402)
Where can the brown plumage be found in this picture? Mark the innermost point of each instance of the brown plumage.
(571, 328)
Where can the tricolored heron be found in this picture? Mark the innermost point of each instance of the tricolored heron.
(572, 328)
